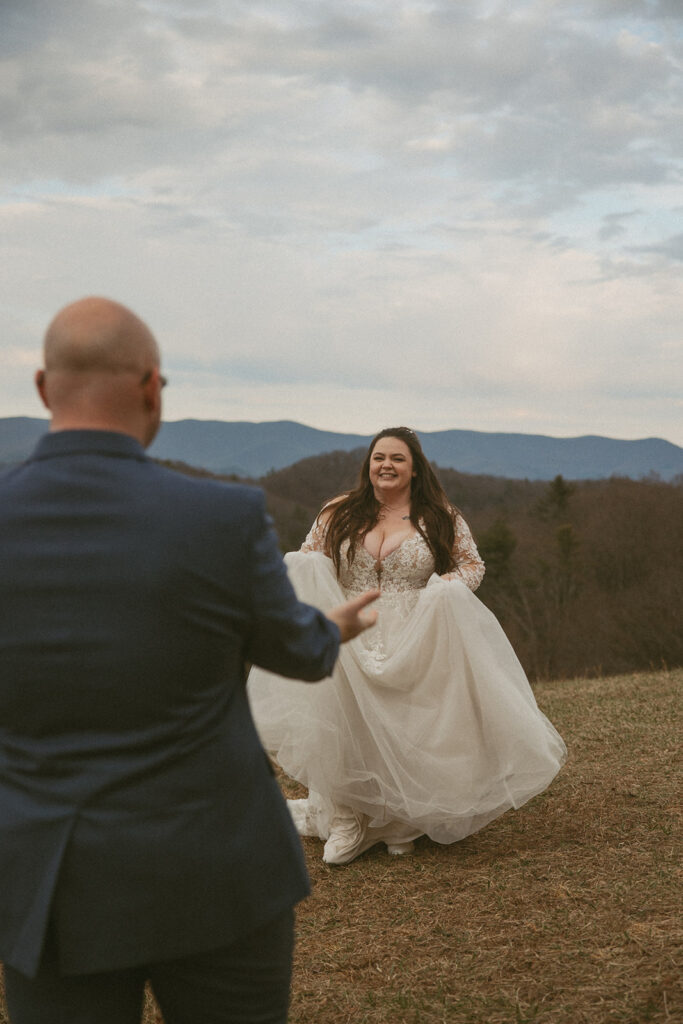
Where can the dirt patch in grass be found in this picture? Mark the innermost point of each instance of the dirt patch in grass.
(564, 912)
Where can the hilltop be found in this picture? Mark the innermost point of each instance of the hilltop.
(253, 449)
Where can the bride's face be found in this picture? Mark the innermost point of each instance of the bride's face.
(391, 466)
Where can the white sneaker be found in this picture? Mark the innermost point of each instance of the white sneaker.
(400, 849)
(348, 838)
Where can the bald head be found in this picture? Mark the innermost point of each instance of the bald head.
(97, 335)
(101, 370)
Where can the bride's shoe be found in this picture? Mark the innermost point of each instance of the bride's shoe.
(400, 849)
(348, 838)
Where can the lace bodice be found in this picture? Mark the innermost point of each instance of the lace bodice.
(407, 567)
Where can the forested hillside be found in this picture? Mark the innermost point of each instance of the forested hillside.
(585, 577)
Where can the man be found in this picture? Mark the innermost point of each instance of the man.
(142, 834)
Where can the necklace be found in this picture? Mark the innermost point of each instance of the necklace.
(387, 508)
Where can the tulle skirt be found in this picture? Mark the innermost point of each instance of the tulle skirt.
(428, 724)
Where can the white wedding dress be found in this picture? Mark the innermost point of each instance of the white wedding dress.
(428, 724)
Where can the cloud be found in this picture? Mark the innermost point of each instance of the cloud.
(669, 248)
(447, 208)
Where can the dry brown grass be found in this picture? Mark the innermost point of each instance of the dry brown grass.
(561, 913)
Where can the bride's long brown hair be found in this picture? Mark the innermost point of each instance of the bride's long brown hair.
(353, 515)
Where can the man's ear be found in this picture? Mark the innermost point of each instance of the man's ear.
(151, 389)
(41, 388)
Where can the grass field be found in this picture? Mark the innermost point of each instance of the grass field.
(564, 912)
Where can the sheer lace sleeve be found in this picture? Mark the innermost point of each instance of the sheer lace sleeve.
(469, 565)
(315, 538)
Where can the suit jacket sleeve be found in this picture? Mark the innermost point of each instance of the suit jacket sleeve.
(286, 636)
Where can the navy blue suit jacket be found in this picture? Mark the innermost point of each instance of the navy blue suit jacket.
(137, 807)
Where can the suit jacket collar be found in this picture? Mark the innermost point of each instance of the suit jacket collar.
(88, 442)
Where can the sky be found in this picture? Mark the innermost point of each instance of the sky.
(356, 213)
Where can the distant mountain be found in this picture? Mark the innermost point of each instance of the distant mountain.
(253, 449)
(247, 449)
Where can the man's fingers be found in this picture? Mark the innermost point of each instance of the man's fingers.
(364, 619)
(350, 617)
(358, 603)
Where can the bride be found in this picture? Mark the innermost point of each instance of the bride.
(428, 724)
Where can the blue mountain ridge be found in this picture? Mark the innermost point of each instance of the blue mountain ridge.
(253, 449)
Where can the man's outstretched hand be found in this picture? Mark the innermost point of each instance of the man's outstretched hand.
(351, 618)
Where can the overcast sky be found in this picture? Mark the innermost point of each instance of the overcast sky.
(356, 213)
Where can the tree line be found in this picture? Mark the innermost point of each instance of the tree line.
(586, 577)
